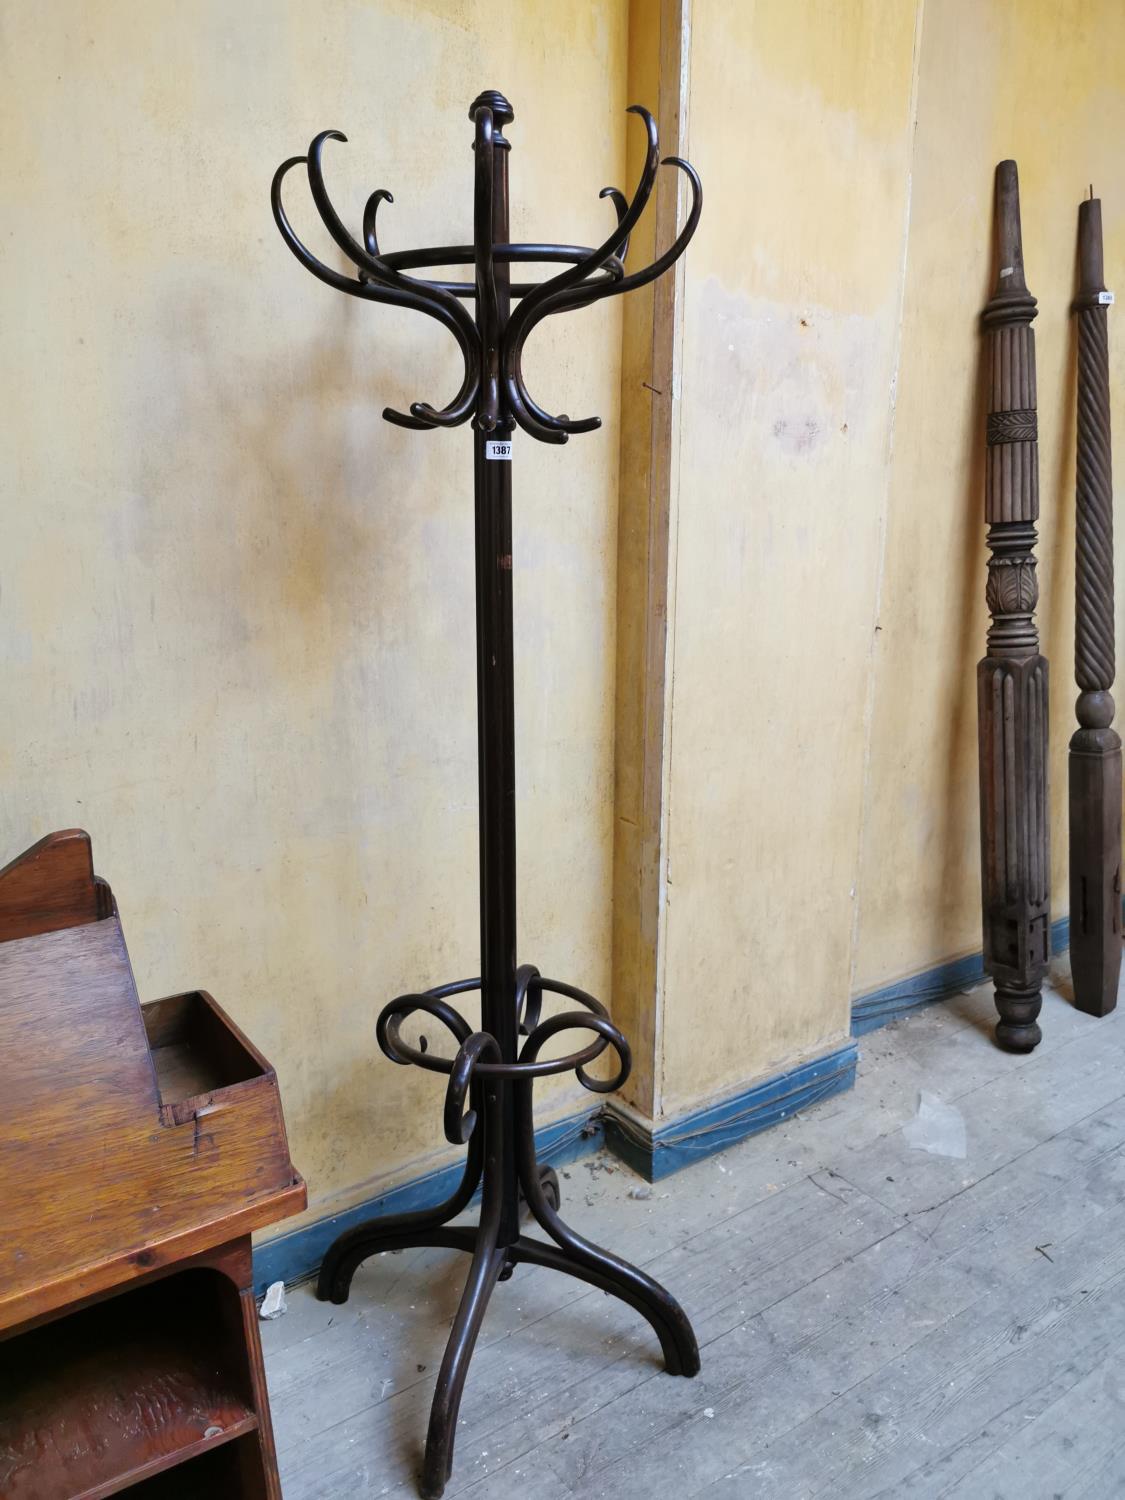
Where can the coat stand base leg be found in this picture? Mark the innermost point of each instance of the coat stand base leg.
(495, 1154)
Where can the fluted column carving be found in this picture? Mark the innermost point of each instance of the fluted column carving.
(1012, 677)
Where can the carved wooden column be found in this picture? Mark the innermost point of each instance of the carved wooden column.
(1095, 749)
(1012, 677)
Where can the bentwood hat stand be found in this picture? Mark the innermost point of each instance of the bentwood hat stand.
(489, 1097)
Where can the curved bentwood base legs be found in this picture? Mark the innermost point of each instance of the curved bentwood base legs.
(501, 1159)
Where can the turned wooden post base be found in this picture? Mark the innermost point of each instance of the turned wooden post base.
(1095, 866)
(1017, 1029)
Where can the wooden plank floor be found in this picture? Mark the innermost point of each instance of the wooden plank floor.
(876, 1318)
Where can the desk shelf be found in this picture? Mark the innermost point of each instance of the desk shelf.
(93, 1402)
(139, 1148)
(233, 1469)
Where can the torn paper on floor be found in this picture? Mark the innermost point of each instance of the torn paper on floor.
(937, 1127)
(273, 1303)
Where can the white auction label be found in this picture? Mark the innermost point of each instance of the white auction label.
(1106, 299)
(498, 449)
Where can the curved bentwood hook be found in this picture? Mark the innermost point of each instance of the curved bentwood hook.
(493, 388)
(566, 296)
(467, 1065)
(461, 1122)
(370, 210)
(562, 422)
(378, 282)
(478, 1056)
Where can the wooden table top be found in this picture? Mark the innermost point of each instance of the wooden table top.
(101, 1177)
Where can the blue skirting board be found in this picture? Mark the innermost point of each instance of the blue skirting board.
(874, 1010)
(676, 1143)
(296, 1256)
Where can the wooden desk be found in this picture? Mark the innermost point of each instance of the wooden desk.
(139, 1146)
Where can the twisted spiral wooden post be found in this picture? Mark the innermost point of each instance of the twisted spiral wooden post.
(1095, 749)
(1012, 677)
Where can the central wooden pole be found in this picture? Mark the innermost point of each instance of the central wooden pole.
(496, 734)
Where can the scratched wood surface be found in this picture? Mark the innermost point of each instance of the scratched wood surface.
(138, 1148)
(876, 1318)
(120, 1388)
(91, 1179)
(107, 1170)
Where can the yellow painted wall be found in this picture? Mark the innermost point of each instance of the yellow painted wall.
(1040, 82)
(828, 557)
(800, 122)
(237, 606)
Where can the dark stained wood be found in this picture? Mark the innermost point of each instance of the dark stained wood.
(495, 1063)
(1012, 677)
(1095, 748)
(265, 1474)
(233, 1469)
(138, 1149)
(121, 1390)
(51, 885)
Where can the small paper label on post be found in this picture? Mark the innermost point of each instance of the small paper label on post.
(1106, 299)
(501, 449)
(1007, 271)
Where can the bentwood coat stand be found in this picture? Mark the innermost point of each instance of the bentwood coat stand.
(489, 1096)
